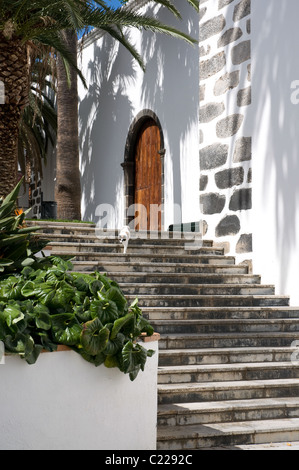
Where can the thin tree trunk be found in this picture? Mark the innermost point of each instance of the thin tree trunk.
(68, 186)
(14, 74)
(9, 131)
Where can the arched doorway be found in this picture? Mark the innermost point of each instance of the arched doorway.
(144, 173)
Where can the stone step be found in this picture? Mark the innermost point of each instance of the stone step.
(227, 434)
(147, 267)
(206, 356)
(227, 372)
(183, 414)
(210, 300)
(145, 258)
(228, 340)
(221, 313)
(184, 278)
(62, 228)
(62, 225)
(230, 390)
(285, 445)
(133, 249)
(138, 288)
(91, 236)
(226, 326)
(87, 228)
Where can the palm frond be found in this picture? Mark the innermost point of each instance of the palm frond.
(170, 6)
(55, 41)
(42, 21)
(74, 14)
(122, 39)
(135, 20)
(194, 3)
(38, 126)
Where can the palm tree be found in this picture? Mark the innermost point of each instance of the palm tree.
(68, 185)
(28, 25)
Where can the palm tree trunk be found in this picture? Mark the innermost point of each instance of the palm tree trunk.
(14, 74)
(68, 186)
(9, 131)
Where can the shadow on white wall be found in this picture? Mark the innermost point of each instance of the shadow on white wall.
(275, 123)
(118, 90)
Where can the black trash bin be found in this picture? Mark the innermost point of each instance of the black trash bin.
(49, 210)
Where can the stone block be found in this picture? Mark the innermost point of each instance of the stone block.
(249, 175)
(212, 66)
(248, 26)
(241, 200)
(229, 126)
(202, 13)
(243, 150)
(203, 182)
(202, 91)
(244, 97)
(241, 52)
(204, 50)
(249, 72)
(231, 35)
(227, 82)
(230, 225)
(204, 227)
(211, 27)
(242, 9)
(229, 178)
(223, 3)
(244, 244)
(213, 156)
(212, 203)
(210, 111)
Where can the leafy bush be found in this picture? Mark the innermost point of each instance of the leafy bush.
(47, 304)
(17, 245)
(44, 304)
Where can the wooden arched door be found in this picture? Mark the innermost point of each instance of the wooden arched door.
(148, 176)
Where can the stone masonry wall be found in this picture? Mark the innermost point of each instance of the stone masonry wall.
(225, 146)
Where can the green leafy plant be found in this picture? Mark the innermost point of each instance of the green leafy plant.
(17, 245)
(47, 304)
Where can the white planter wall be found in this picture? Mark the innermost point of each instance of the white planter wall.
(64, 403)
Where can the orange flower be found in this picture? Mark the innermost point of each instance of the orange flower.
(19, 211)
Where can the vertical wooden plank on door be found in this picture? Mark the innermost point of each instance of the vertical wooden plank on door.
(148, 175)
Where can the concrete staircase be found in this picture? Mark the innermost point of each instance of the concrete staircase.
(226, 378)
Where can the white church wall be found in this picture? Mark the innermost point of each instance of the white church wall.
(275, 137)
(117, 92)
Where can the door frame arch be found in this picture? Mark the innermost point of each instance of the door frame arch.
(129, 160)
